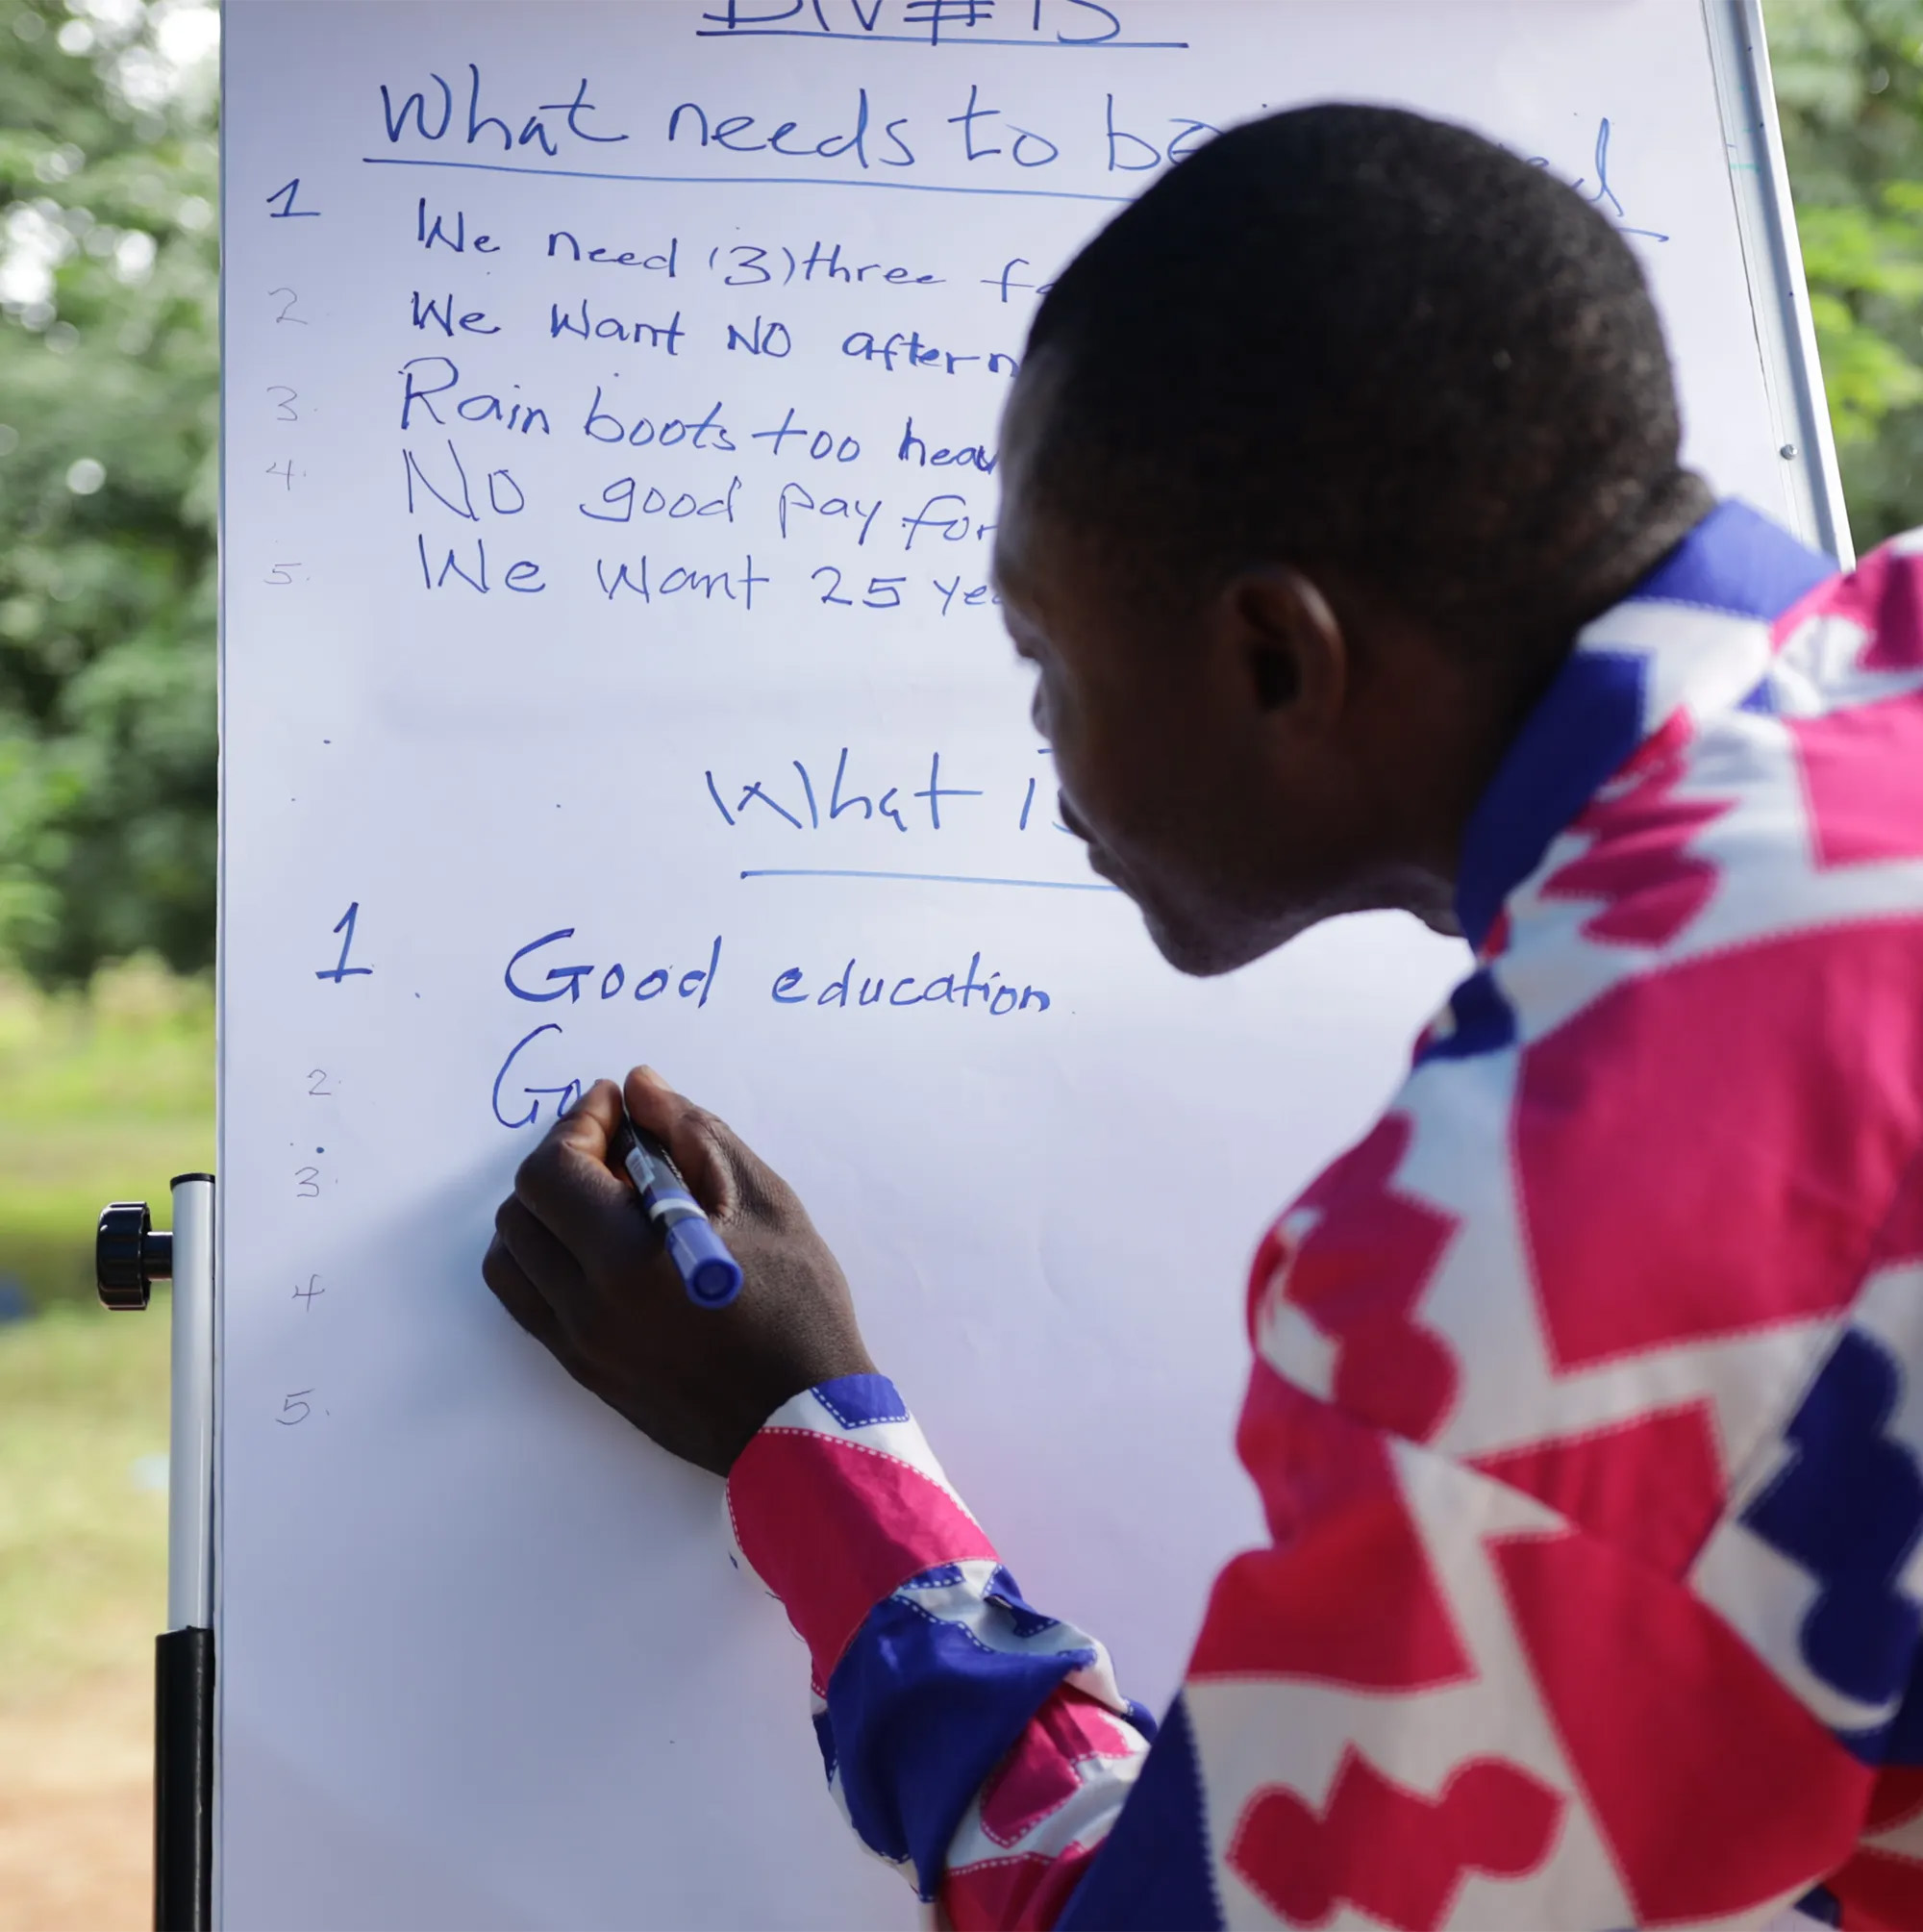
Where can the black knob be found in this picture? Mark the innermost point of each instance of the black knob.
(129, 1256)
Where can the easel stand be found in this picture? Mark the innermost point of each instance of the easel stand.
(129, 1256)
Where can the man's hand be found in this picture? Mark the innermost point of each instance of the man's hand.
(575, 1260)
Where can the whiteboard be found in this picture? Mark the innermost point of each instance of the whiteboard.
(609, 672)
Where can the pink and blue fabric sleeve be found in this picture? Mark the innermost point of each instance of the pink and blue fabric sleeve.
(972, 1740)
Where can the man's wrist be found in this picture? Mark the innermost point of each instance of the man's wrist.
(803, 1381)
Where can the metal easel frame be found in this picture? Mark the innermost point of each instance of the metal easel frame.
(184, 1679)
(129, 1256)
(1773, 259)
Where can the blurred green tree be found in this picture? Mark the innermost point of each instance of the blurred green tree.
(109, 418)
(1849, 83)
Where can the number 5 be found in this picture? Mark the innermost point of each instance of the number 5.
(293, 1401)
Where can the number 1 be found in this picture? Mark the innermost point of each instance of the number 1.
(287, 197)
(341, 970)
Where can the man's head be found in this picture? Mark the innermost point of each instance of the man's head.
(1321, 452)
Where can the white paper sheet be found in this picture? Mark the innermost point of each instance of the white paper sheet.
(483, 1662)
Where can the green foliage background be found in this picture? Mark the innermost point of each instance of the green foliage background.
(108, 415)
(1849, 83)
(108, 363)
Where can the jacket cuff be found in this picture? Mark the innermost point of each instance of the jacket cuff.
(837, 1502)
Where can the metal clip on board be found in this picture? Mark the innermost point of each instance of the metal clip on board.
(130, 1255)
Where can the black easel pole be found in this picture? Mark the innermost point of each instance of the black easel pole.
(129, 1256)
(184, 1781)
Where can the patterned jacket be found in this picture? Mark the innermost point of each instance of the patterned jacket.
(1584, 1407)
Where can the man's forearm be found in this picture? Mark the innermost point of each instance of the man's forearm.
(969, 1737)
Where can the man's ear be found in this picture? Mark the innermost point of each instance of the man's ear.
(1290, 642)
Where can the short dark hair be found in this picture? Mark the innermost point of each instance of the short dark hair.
(1351, 335)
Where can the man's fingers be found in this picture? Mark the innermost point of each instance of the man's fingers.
(703, 1147)
(556, 1274)
(566, 1183)
(519, 1296)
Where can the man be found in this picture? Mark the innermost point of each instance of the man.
(1344, 528)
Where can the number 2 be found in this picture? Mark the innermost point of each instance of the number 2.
(317, 1086)
(286, 313)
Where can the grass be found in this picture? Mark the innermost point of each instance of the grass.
(103, 1095)
(83, 1526)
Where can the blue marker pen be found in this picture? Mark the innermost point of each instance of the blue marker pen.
(711, 1275)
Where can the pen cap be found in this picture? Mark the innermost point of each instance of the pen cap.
(714, 1276)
